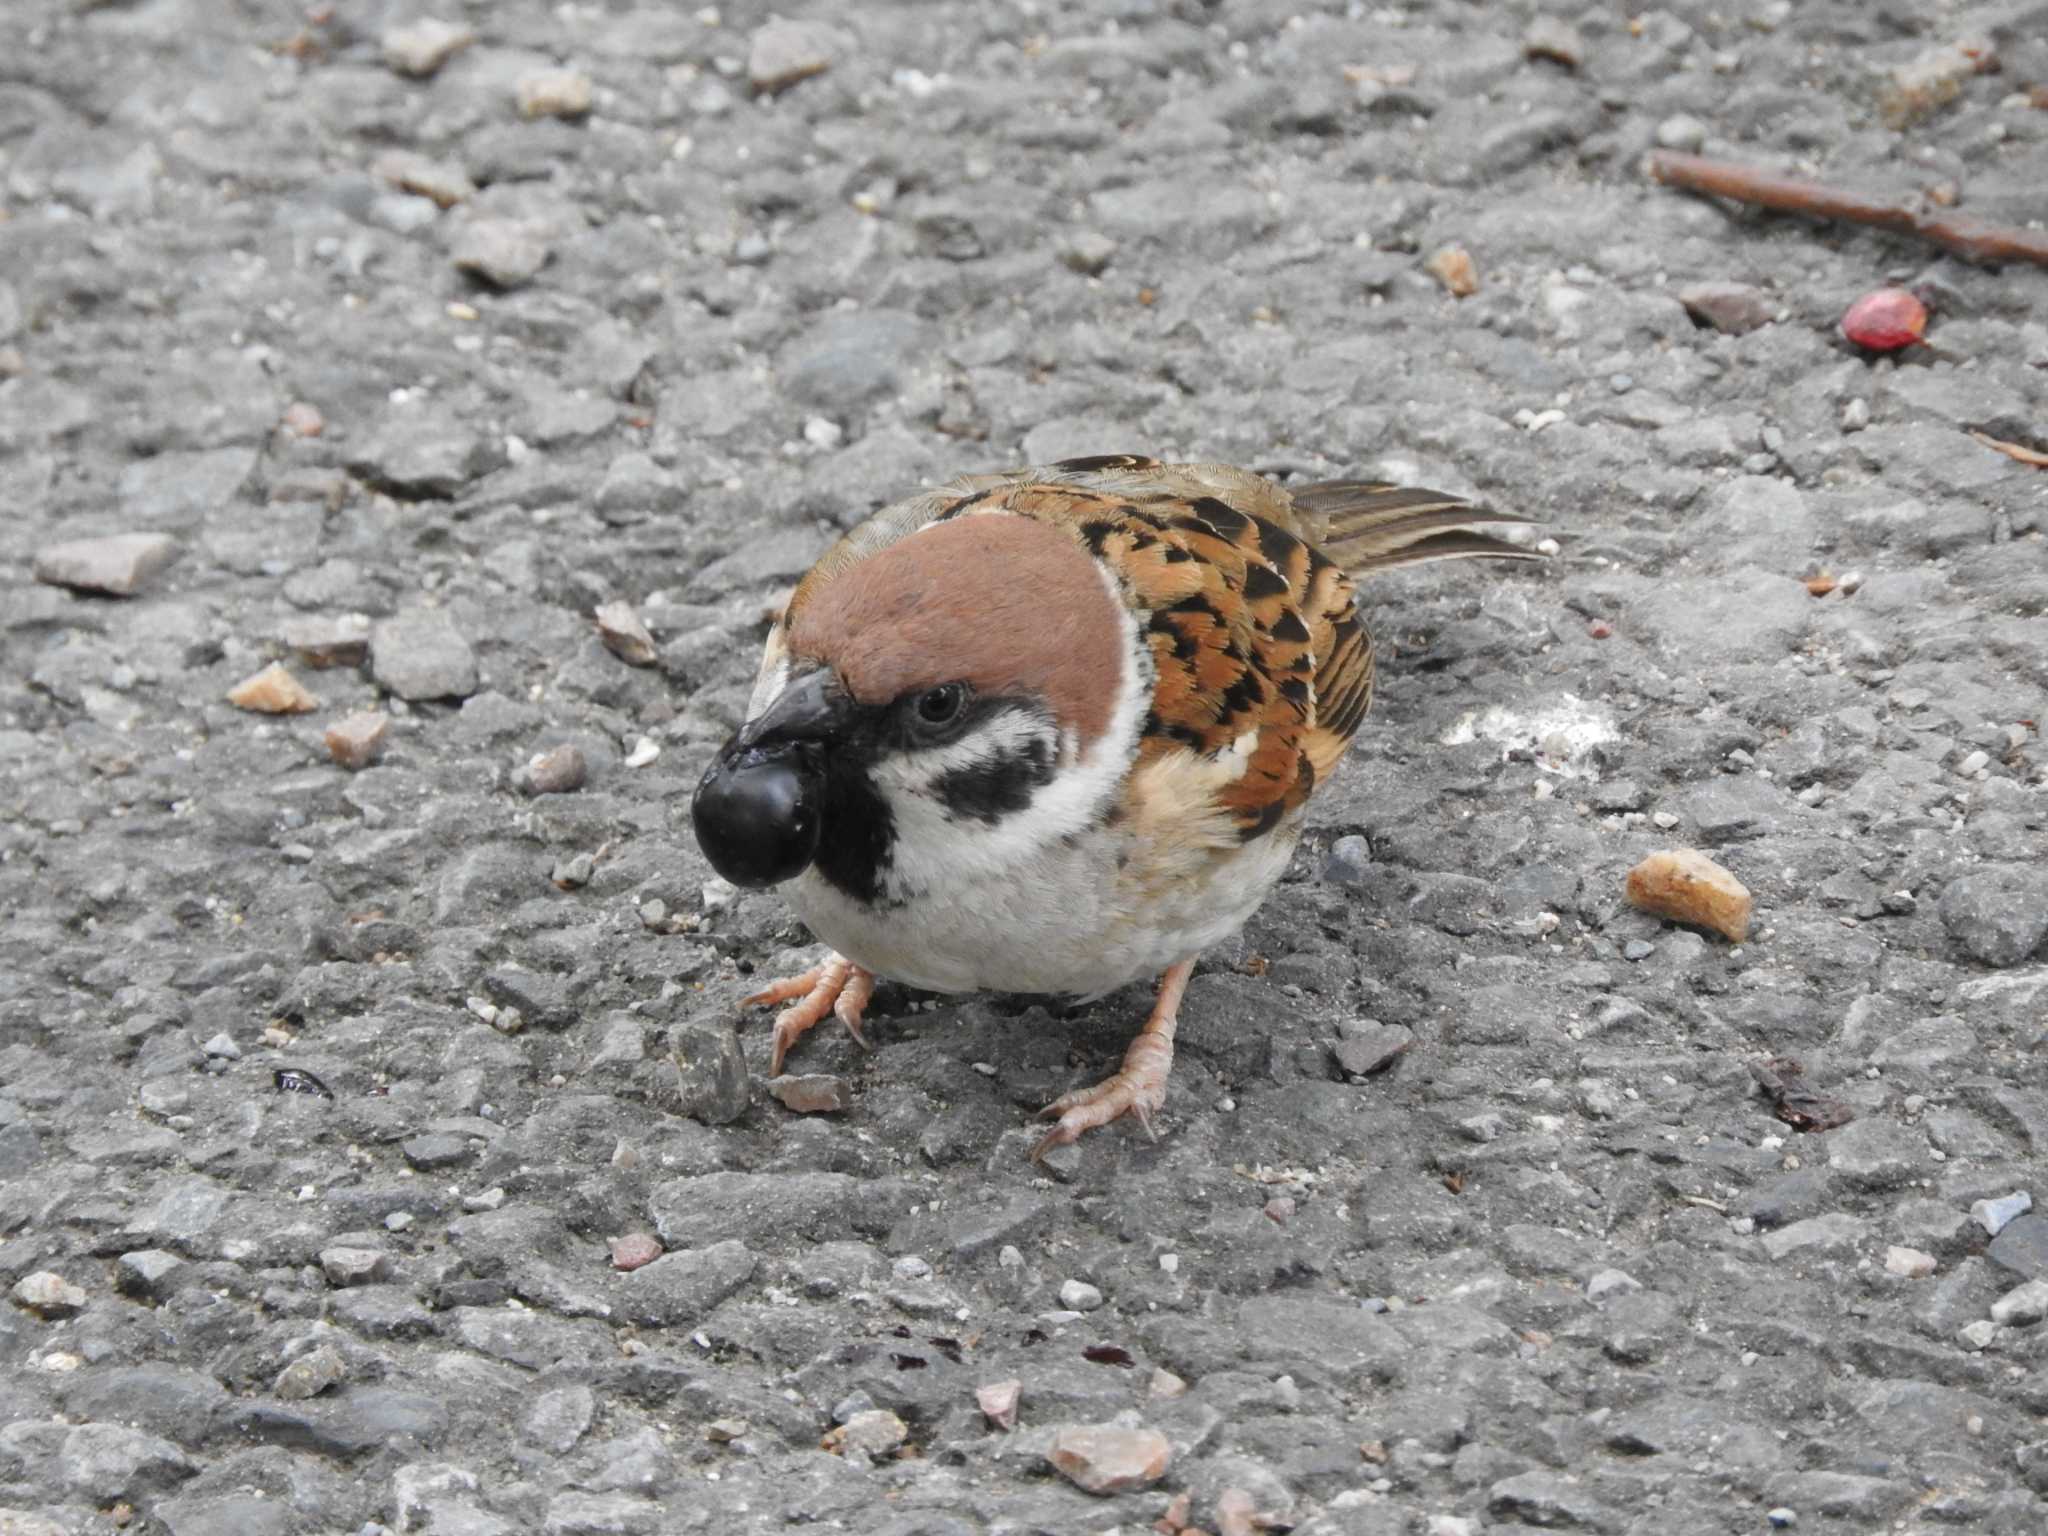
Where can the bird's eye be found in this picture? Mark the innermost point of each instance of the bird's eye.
(939, 707)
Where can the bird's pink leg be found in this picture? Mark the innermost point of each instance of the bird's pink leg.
(1138, 1088)
(837, 987)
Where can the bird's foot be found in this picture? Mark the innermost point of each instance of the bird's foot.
(1137, 1089)
(837, 987)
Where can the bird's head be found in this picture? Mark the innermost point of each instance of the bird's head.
(937, 702)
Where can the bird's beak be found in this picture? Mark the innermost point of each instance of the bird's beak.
(759, 809)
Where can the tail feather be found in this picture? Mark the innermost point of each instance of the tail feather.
(1365, 526)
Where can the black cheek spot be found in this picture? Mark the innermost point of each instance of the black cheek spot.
(1002, 786)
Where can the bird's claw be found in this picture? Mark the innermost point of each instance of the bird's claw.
(838, 987)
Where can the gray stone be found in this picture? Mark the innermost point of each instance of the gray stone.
(120, 564)
(1366, 1046)
(426, 458)
(635, 487)
(2022, 1247)
(1732, 307)
(146, 1272)
(421, 655)
(852, 357)
(560, 1417)
(681, 1286)
(354, 1266)
(1080, 1296)
(1874, 1153)
(1998, 914)
(437, 1150)
(506, 253)
(109, 1462)
(1349, 863)
(577, 1513)
(1835, 1233)
(2022, 1306)
(310, 1374)
(49, 1295)
(1995, 1214)
(783, 52)
(420, 48)
(233, 1514)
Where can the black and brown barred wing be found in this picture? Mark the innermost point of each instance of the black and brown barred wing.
(1262, 666)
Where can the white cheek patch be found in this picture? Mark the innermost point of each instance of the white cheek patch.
(934, 851)
(1010, 734)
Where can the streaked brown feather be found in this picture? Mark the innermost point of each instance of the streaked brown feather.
(1243, 594)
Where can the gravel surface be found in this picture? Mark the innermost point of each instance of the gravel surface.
(377, 1151)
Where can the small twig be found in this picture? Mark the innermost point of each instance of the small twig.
(2020, 451)
(1973, 239)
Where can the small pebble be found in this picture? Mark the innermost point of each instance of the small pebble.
(1782, 1517)
(1454, 268)
(563, 93)
(644, 752)
(422, 48)
(557, 771)
(635, 1249)
(442, 183)
(345, 1266)
(873, 1434)
(1553, 38)
(1908, 1263)
(998, 1402)
(1682, 133)
(223, 1045)
(321, 642)
(1109, 1458)
(273, 691)
(1611, 1282)
(1994, 1215)
(812, 1093)
(2022, 1306)
(310, 1374)
(49, 1295)
(119, 565)
(1080, 1296)
(356, 741)
(574, 872)
(619, 627)
(506, 253)
(784, 53)
(1978, 1335)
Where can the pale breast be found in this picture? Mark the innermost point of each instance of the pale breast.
(1080, 919)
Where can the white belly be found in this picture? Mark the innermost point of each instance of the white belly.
(1068, 921)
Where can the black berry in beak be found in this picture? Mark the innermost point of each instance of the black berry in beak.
(759, 809)
(757, 812)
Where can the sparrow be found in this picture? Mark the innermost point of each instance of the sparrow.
(1054, 731)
